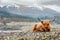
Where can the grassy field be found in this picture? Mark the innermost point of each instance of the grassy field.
(24, 32)
(30, 36)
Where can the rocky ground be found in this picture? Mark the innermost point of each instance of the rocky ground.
(30, 36)
(23, 32)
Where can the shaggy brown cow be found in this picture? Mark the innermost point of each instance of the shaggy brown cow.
(46, 24)
(43, 26)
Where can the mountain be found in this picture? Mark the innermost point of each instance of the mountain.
(29, 12)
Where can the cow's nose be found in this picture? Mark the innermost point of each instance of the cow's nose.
(45, 27)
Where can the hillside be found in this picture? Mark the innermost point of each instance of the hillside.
(30, 13)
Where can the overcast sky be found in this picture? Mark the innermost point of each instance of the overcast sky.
(52, 4)
(56, 2)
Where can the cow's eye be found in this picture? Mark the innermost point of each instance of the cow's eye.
(47, 24)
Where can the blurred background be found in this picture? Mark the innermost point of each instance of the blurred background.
(17, 14)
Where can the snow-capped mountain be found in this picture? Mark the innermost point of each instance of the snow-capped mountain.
(29, 11)
(31, 8)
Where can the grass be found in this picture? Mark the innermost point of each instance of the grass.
(28, 35)
(31, 36)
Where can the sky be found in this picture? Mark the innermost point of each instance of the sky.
(52, 4)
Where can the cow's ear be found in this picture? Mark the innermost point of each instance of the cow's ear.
(42, 22)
